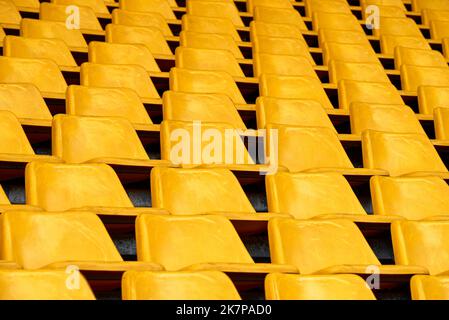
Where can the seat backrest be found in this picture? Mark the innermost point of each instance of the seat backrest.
(9, 14)
(118, 76)
(357, 71)
(279, 15)
(217, 41)
(159, 6)
(397, 27)
(57, 12)
(430, 97)
(109, 102)
(336, 21)
(14, 140)
(389, 42)
(215, 9)
(177, 242)
(209, 25)
(169, 188)
(429, 287)
(440, 120)
(400, 153)
(42, 73)
(307, 195)
(418, 57)
(141, 19)
(349, 53)
(98, 6)
(282, 30)
(200, 107)
(302, 242)
(62, 186)
(412, 77)
(326, 35)
(183, 285)
(251, 4)
(330, 6)
(287, 65)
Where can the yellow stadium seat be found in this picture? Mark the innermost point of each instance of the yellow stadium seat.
(52, 49)
(389, 42)
(98, 6)
(208, 60)
(279, 15)
(384, 12)
(182, 285)
(397, 27)
(220, 144)
(430, 98)
(73, 38)
(25, 101)
(207, 242)
(28, 4)
(429, 15)
(112, 102)
(57, 12)
(55, 240)
(307, 148)
(383, 117)
(280, 286)
(297, 242)
(282, 65)
(282, 46)
(293, 87)
(418, 5)
(393, 3)
(324, 195)
(296, 112)
(439, 30)
(41, 285)
(357, 71)
(159, 6)
(337, 21)
(43, 73)
(209, 25)
(94, 187)
(401, 153)
(348, 53)
(119, 76)
(328, 6)
(141, 19)
(258, 28)
(414, 76)
(195, 81)
(421, 243)
(326, 35)
(202, 40)
(368, 92)
(418, 57)
(284, 4)
(441, 116)
(151, 37)
(96, 138)
(430, 288)
(9, 13)
(413, 198)
(120, 53)
(215, 9)
(216, 107)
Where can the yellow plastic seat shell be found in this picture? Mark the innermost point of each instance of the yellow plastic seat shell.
(418, 5)
(118, 53)
(328, 6)
(282, 30)
(279, 15)
(141, 19)
(280, 286)
(59, 239)
(294, 87)
(438, 30)
(206, 242)
(441, 123)
(202, 40)
(348, 53)
(151, 37)
(393, 3)
(200, 107)
(350, 91)
(296, 112)
(112, 102)
(357, 71)
(41, 285)
(60, 187)
(397, 27)
(383, 117)
(429, 15)
(159, 6)
(57, 12)
(197, 81)
(388, 43)
(208, 60)
(9, 13)
(418, 57)
(184, 285)
(431, 97)
(326, 35)
(219, 9)
(282, 65)
(251, 4)
(414, 198)
(421, 243)
(297, 242)
(282, 46)
(119, 76)
(209, 25)
(430, 287)
(387, 151)
(384, 12)
(43, 73)
(31, 28)
(98, 6)
(28, 4)
(336, 21)
(414, 76)
(52, 49)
